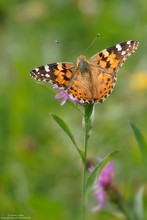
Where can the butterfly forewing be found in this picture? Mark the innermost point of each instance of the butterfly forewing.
(56, 73)
(112, 58)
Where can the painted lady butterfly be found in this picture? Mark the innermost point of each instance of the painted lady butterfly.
(88, 80)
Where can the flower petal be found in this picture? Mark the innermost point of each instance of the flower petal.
(64, 95)
(106, 176)
(100, 196)
(60, 95)
(103, 184)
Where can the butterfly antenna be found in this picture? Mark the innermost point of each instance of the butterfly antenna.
(57, 42)
(92, 42)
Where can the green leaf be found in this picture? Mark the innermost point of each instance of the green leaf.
(98, 168)
(140, 140)
(138, 204)
(67, 130)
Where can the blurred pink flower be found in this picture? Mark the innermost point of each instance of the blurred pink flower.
(103, 184)
(106, 176)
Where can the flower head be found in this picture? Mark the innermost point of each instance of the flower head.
(64, 95)
(106, 176)
(103, 184)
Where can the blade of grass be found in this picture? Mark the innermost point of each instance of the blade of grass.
(140, 140)
(138, 203)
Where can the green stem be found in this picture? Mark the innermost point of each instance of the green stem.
(84, 181)
(88, 122)
(84, 176)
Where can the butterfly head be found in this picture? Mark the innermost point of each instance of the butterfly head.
(82, 64)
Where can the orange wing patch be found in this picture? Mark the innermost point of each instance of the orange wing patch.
(105, 86)
(63, 74)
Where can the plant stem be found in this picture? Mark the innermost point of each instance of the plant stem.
(84, 179)
(88, 122)
(84, 183)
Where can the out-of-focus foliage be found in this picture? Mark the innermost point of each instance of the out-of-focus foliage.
(40, 172)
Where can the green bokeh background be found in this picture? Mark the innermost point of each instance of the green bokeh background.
(40, 171)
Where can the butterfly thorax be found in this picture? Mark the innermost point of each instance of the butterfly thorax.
(83, 64)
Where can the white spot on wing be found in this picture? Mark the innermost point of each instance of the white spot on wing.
(36, 69)
(123, 52)
(118, 46)
(129, 42)
(47, 75)
(47, 69)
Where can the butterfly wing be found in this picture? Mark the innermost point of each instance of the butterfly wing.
(112, 58)
(56, 73)
(105, 65)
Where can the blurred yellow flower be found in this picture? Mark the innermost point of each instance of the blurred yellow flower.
(138, 80)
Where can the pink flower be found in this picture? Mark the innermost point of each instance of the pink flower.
(103, 184)
(64, 95)
(101, 198)
(106, 176)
